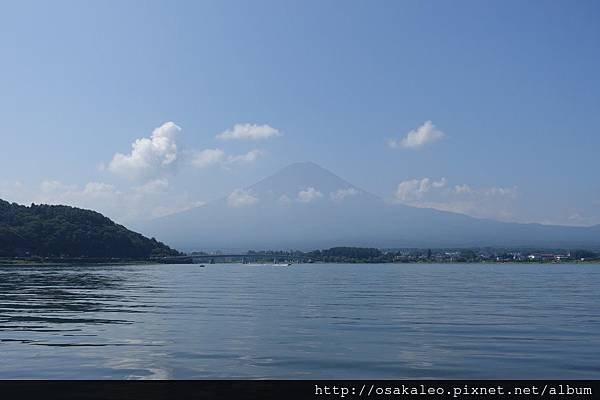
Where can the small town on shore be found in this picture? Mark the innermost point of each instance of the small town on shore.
(415, 255)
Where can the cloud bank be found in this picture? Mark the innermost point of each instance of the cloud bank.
(487, 202)
(415, 189)
(149, 200)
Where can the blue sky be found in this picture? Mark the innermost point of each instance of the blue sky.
(511, 89)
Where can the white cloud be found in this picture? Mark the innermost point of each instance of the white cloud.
(249, 131)
(416, 188)
(423, 135)
(462, 189)
(439, 184)
(249, 157)
(309, 194)
(240, 198)
(341, 194)
(487, 202)
(209, 157)
(149, 157)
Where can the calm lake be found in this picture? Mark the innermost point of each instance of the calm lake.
(304, 321)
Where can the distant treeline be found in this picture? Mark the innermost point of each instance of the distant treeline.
(62, 231)
(334, 254)
(374, 255)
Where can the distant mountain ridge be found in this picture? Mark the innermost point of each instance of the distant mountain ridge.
(304, 206)
(62, 231)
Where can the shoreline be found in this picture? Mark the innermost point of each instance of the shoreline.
(5, 263)
(70, 264)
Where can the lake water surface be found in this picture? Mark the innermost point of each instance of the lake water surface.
(306, 321)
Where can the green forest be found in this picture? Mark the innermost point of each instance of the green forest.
(63, 231)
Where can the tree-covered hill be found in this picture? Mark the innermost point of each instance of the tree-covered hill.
(62, 231)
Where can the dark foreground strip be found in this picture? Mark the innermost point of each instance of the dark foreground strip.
(322, 390)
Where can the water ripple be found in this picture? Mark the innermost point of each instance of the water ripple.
(309, 321)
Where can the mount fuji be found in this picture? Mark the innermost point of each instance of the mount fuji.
(304, 206)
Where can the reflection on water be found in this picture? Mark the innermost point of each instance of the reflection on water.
(308, 321)
(37, 299)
